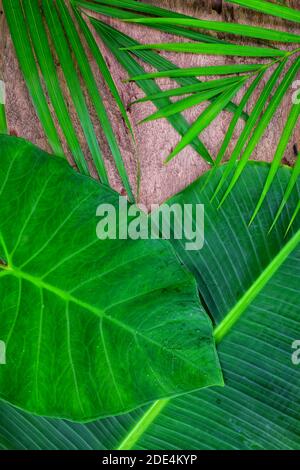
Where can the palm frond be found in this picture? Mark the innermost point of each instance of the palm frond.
(132, 10)
(236, 29)
(31, 41)
(183, 104)
(43, 53)
(186, 90)
(73, 81)
(42, 32)
(204, 71)
(250, 125)
(268, 8)
(229, 134)
(263, 111)
(92, 88)
(102, 66)
(205, 118)
(290, 187)
(20, 37)
(212, 49)
(114, 40)
(263, 123)
(283, 142)
(117, 43)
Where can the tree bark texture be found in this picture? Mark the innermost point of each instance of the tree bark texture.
(153, 140)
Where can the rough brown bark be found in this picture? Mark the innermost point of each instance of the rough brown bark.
(154, 140)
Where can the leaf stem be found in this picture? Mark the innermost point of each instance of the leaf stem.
(233, 316)
(143, 424)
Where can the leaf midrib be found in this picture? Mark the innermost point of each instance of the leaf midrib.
(235, 313)
(219, 333)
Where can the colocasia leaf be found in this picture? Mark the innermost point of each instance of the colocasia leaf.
(92, 328)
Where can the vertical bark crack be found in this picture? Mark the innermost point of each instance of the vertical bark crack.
(217, 5)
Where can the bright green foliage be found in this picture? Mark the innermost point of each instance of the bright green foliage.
(269, 8)
(115, 41)
(28, 21)
(264, 109)
(208, 49)
(205, 118)
(21, 40)
(229, 28)
(259, 406)
(63, 27)
(201, 71)
(131, 10)
(195, 99)
(92, 328)
(267, 115)
(99, 328)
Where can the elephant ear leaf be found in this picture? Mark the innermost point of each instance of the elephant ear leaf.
(92, 328)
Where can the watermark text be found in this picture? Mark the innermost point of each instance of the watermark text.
(168, 222)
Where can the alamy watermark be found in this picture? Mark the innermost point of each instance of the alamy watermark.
(2, 92)
(296, 353)
(296, 94)
(2, 353)
(176, 221)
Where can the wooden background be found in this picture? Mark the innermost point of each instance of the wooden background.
(154, 140)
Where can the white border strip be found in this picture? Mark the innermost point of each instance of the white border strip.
(2, 92)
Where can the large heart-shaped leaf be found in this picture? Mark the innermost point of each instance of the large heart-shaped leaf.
(92, 328)
(260, 404)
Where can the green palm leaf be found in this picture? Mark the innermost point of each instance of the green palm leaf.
(264, 122)
(133, 10)
(113, 39)
(43, 53)
(230, 49)
(65, 57)
(92, 88)
(203, 121)
(229, 134)
(269, 9)
(155, 60)
(102, 66)
(188, 89)
(283, 142)
(251, 123)
(3, 122)
(21, 40)
(185, 103)
(33, 49)
(229, 28)
(201, 71)
(212, 49)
